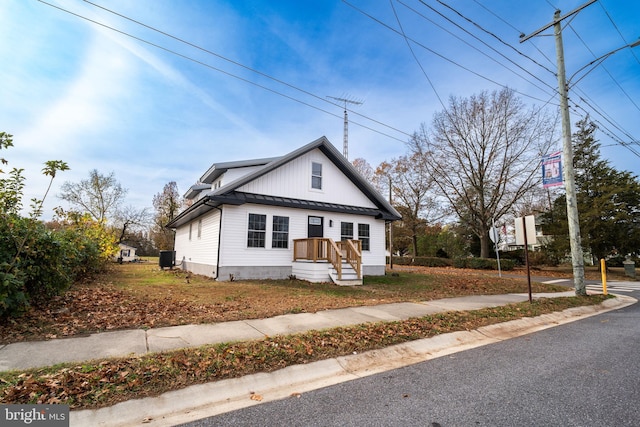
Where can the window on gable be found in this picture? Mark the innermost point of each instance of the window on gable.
(346, 231)
(364, 236)
(257, 231)
(280, 236)
(316, 175)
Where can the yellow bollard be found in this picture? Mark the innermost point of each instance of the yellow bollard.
(603, 271)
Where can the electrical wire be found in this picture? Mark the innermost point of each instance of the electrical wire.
(415, 57)
(605, 68)
(607, 130)
(233, 75)
(518, 31)
(477, 49)
(437, 53)
(599, 111)
(480, 27)
(618, 30)
(243, 66)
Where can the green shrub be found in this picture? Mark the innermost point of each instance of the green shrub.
(517, 256)
(33, 261)
(37, 264)
(423, 261)
(483, 263)
(12, 297)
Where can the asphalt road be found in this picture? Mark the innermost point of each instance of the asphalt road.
(586, 373)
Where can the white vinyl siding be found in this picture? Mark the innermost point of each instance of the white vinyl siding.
(203, 250)
(234, 238)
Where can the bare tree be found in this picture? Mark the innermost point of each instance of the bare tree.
(411, 185)
(484, 154)
(100, 195)
(128, 220)
(167, 205)
(364, 168)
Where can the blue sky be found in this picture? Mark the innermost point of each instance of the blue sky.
(153, 109)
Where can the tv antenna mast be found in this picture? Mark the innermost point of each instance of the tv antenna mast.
(345, 147)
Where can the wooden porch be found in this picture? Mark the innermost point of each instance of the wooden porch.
(342, 256)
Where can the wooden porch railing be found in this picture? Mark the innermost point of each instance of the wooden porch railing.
(324, 249)
(352, 251)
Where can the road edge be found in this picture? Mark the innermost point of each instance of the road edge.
(206, 400)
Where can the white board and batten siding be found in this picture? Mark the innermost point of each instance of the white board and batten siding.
(294, 180)
(200, 250)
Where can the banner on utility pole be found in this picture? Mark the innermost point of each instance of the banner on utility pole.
(552, 170)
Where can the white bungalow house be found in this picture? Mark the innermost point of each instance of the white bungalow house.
(126, 253)
(307, 214)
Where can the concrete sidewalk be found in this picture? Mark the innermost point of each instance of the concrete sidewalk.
(200, 401)
(34, 354)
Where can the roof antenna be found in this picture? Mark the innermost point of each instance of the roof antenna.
(345, 147)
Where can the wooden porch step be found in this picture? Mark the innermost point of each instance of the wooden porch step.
(349, 276)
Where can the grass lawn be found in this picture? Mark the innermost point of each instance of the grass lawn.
(141, 295)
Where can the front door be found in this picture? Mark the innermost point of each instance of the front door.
(315, 226)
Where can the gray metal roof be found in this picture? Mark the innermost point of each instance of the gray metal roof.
(217, 169)
(228, 194)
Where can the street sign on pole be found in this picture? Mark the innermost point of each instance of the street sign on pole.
(525, 235)
(529, 223)
(494, 235)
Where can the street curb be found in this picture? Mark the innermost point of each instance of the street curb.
(205, 400)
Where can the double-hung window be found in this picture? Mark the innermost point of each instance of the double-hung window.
(257, 231)
(364, 236)
(346, 231)
(316, 175)
(280, 236)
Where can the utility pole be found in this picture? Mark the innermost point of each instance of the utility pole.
(345, 146)
(577, 256)
(390, 227)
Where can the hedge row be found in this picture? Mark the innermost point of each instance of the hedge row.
(473, 263)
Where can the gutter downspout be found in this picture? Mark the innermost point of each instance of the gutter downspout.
(219, 240)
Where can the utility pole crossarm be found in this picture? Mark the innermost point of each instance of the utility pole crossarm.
(524, 38)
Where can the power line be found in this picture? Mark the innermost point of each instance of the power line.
(228, 73)
(241, 65)
(605, 68)
(601, 111)
(406, 39)
(492, 35)
(618, 30)
(607, 131)
(475, 48)
(519, 31)
(437, 53)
